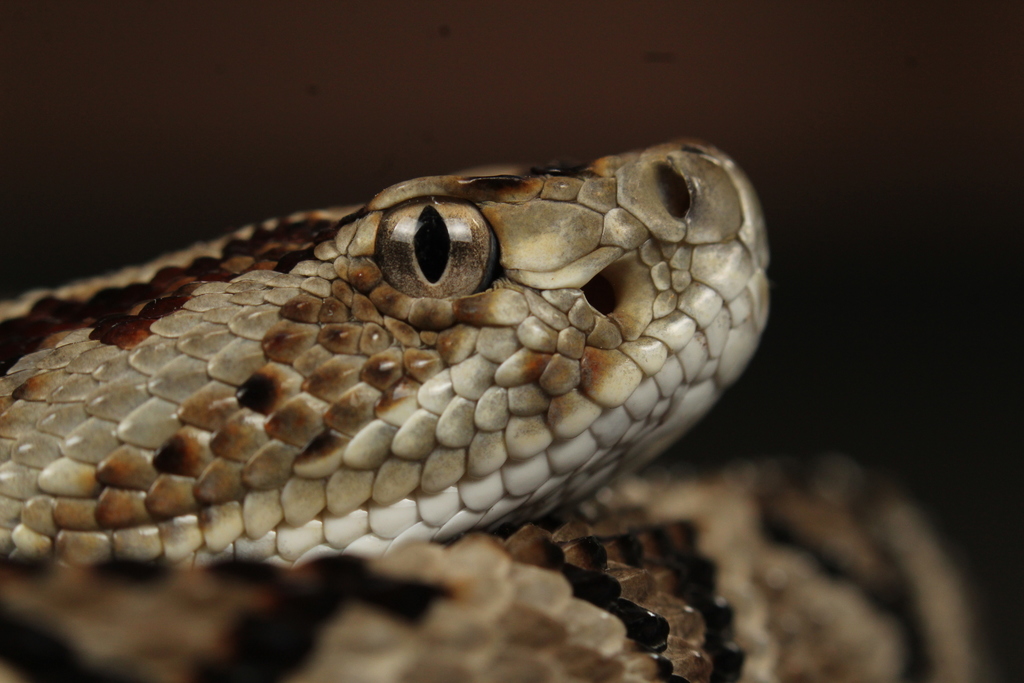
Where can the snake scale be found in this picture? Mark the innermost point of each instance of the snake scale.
(291, 410)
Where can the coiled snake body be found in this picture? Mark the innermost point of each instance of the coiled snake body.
(461, 353)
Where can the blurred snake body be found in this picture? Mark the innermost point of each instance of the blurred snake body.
(458, 353)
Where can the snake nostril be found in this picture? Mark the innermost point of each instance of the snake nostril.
(675, 195)
(601, 294)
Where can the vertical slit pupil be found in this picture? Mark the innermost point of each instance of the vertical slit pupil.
(431, 244)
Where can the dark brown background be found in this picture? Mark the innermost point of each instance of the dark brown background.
(887, 145)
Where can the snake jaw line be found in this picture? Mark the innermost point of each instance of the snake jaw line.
(460, 352)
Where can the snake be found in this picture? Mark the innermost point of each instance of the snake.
(457, 353)
(288, 439)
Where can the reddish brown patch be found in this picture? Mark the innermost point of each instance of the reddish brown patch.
(158, 308)
(302, 309)
(238, 264)
(363, 274)
(432, 314)
(533, 366)
(126, 468)
(286, 340)
(390, 301)
(421, 364)
(352, 411)
(120, 508)
(323, 446)
(335, 377)
(363, 309)
(456, 343)
(171, 496)
(121, 316)
(334, 311)
(77, 514)
(382, 369)
(210, 407)
(374, 339)
(220, 483)
(238, 439)
(340, 338)
(295, 423)
(341, 291)
(125, 334)
(39, 387)
(403, 390)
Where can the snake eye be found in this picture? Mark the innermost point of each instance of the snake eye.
(436, 248)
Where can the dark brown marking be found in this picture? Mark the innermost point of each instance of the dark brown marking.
(364, 310)
(340, 338)
(363, 274)
(158, 308)
(532, 545)
(401, 391)
(289, 260)
(374, 339)
(534, 365)
(302, 309)
(475, 310)
(390, 301)
(333, 378)
(221, 482)
(295, 423)
(238, 438)
(39, 387)
(432, 314)
(340, 290)
(586, 552)
(121, 313)
(121, 508)
(286, 340)
(126, 334)
(261, 392)
(637, 584)
(456, 343)
(352, 411)
(209, 408)
(182, 455)
(126, 467)
(270, 468)
(382, 369)
(323, 446)
(238, 264)
(334, 311)
(170, 496)
(421, 364)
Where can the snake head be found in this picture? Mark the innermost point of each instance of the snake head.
(459, 352)
(577, 322)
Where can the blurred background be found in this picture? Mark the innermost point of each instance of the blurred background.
(885, 139)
